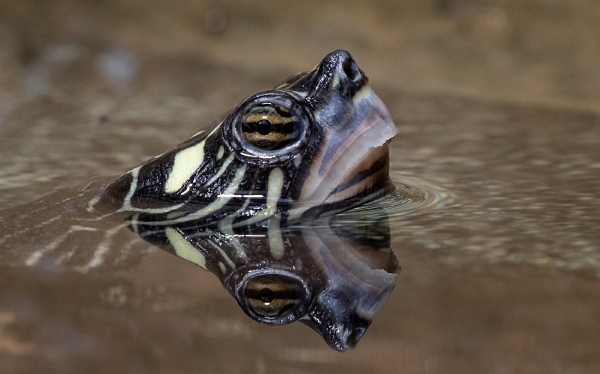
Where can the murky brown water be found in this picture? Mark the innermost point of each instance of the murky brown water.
(496, 104)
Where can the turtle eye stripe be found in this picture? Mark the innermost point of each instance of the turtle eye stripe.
(264, 127)
(274, 295)
(273, 118)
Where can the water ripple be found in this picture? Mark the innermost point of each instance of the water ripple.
(411, 196)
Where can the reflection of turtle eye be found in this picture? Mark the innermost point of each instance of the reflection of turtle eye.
(266, 295)
(273, 296)
(270, 127)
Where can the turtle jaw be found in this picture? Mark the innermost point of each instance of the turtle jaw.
(352, 164)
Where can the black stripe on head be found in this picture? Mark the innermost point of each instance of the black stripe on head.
(353, 201)
(379, 164)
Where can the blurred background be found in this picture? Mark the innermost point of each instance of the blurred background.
(541, 51)
(185, 62)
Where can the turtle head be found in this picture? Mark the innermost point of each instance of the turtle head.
(347, 159)
(316, 143)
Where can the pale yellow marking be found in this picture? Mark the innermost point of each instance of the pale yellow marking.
(103, 247)
(274, 191)
(222, 267)
(175, 214)
(221, 170)
(273, 195)
(127, 207)
(220, 152)
(134, 223)
(214, 130)
(226, 226)
(275, 239)
(222, 199)
(336, 80)
(159, 155)
(223, 254)
(297, 160)
(250, 196)
(30, 228)
(185, 164)
(92, 203)
(301, 94)
(362, 94)
(217, 204)
(184, 249)
(365, 314)
(132, 187)
(35, 257)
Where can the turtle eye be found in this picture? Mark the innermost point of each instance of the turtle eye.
(270, 127)
(273, 297)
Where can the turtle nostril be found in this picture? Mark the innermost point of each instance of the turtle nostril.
(351, 69)
(354, 337)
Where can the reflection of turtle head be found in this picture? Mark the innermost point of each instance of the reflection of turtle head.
(359, 269)
(338, 310)
(336, 277)
(332, 274)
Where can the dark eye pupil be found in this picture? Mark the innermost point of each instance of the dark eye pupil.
(270, 127)
(266, 295)
(273, 296)
(263, 127)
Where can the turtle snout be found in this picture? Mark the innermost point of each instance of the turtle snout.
(350, 77)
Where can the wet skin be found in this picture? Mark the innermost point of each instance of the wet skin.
(253, 199)
(232, 200)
